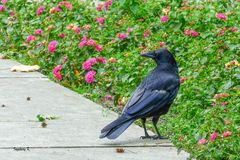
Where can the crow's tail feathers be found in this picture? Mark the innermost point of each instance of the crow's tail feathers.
(116, 128)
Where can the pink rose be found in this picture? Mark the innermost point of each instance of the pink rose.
(90, 42)
(164, 19)
(77, 30)
(129, 30)
(213, 136)
(62, 35)
(82, 44)
(98, 48)
(31, 38)
(70, 26)
(100, 20)
(221, 16)
(161, 44)
(122, 36)
(101, 60)
(39, 10)
(89, 77)
(194, 33)
(86, 65)
(226, 134)
(146, 33)
(38, 31)
(109, 97)
(56, 72)
(52, 46)
(2, 8)
(67, 4)
(84, 38)
(55, 10)
(4, 1)
(92, 60)
(12, 14)
(187, 32)
(106, 4)
(99, 7)
(202, 141)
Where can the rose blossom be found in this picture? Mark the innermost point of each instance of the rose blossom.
(164, 19)
(62, 35)
(92, 60)
(194, 33)
(56, 72)
(31, 38)
(101, 60)
(54, 10)
(202, 141)
(99, 7)
(67, 4)
(39, 10)
(146, 34)
(76, 30)
(100, 20)
(106, 4)
(2, 8)
(213, 136)
(86, 65)
(12, 13)
(38, 31)
(129, 30)
(109, 97)
(161, 44)
(89, 77)
(226, 134)
(90, 42)
(82, 44)
(52, 46)
(70, 26)
(98, 48)
(4, 1)
(122, 36)
(221, 16)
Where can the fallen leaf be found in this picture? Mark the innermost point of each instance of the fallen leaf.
(44, 124)
(25, 68)
(120, 150)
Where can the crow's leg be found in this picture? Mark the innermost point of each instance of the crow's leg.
(145, 130)
(158, 136)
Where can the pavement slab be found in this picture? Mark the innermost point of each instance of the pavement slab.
(74, 134)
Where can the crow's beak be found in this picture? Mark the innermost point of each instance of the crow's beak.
(148, 54)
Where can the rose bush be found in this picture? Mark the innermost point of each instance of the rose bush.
(95, 51)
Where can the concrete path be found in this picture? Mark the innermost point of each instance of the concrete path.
(74, 135)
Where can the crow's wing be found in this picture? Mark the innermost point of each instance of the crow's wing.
(144, 101)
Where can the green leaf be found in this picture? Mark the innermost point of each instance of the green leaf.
(40, 118)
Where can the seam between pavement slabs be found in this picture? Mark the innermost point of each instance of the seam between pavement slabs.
(85, 147)
(24, 77)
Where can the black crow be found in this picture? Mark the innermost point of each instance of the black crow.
(152, 98)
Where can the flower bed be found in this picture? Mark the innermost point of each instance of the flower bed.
(95, 51)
